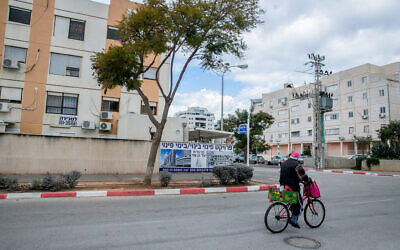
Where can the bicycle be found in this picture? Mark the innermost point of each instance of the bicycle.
(279, 212)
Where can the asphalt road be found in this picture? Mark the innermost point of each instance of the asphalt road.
(362, 213)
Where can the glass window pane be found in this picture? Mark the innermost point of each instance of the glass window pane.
(113, 33)
(53, 110)
(12, 94)
(58, 64)
(76, 30)
(68, 111)
(54, 101)
(61, 26)
(70, 102)
(19, 16)
(15, 53)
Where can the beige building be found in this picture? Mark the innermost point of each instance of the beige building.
(364, 98)
(46, 82)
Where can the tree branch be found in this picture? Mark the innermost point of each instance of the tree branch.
(146, 105)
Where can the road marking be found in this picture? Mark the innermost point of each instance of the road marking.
(366, 202)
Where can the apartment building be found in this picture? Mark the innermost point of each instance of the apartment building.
(46, 81)
(198, 118)
(364, 98)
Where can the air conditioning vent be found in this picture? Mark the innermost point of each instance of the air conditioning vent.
(105, 126)
(105, 115)
(88, 125)
(10, 64)
(365, 117)
(382, 115)
(4, 107)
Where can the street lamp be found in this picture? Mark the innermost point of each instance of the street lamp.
(224, 70)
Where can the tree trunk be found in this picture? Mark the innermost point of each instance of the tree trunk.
(155, 143)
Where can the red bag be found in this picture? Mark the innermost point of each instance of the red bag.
(314, 190)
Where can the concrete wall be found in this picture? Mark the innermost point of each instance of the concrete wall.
(384, 166)
(333, 162)
(32, 154)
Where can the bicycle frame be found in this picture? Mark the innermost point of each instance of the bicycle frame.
(288, 206)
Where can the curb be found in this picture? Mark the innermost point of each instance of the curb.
(350, 172)
(145, 192)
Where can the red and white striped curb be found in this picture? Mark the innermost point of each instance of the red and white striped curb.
(146, 192)
(350, 172)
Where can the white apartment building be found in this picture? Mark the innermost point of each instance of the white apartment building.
(198, 118)
(364, 98)
(46, 81)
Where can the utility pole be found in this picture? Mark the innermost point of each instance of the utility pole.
(320, 107)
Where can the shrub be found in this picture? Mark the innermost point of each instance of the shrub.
(358, 163)
(372, 161)
(165, 178)
(9, 184)
(50, 183)
(71, 179)
(233, 174)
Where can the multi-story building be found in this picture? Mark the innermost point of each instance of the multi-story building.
(198, 118)
(46, 81)
(364, 98)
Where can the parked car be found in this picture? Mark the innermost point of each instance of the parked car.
(356, 156)
(260, 160)
(253, 159)
(275, 159)
(238, 159)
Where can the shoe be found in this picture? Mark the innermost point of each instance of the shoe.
(296, 225)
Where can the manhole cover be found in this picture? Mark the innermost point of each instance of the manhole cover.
(302, 242)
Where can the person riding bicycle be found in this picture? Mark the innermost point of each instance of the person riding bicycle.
(292, 173)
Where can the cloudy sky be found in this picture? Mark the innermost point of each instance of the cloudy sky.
(348, 32)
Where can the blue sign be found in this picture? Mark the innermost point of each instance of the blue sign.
(242, 128)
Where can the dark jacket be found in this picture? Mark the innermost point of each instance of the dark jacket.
(292, 173)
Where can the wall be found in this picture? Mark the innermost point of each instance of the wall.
(333, 162)
(32, 154)
(384, 166)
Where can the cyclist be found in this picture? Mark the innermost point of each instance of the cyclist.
(292, 173)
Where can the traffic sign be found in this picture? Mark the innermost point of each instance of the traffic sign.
(242, 128)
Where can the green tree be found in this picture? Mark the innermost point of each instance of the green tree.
(363, 142)
(390, 133)
(202, 30)
(258, 123)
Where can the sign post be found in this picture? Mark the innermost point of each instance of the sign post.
(279, 158)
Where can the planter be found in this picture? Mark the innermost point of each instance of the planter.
(384, 166)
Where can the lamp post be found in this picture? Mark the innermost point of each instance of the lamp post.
(224, 70)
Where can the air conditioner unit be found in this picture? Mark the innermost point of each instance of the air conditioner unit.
(341, 138)
(365, 117)
(105, 115)
(10, 64)
(382, 115)
(105, 126)
(4, 107)
(88, 125)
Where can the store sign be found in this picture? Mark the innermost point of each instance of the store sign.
(68, 120)
(194, 157)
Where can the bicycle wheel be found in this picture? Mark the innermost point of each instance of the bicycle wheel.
(276, 217)
(314, 213)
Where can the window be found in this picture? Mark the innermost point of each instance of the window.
(330, 117)
(69, 28)
(113, 33)
(62, 103)
(282, 112)
(150, 74)
(382, 110)
(282, 135)
(10, 94)
(366, 129)
(309, 119)
(15, 54)
(365, 96)
(295, 121)
(282, 100)
(19, 15)
(309, 105)
(351, 130)
(65, 65)
(296, 134)
(335, 102)
(381, 92)
(282, 124)
(351, 114)
(309, 132)
(295, 108)
(349, 83)
(331, 88)
(334, 131)
(365, 112)
(364, 80)
(153, 107)
(110, 104)
(350, 98)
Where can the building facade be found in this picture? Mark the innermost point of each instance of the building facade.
(364, 98)
(46, 81)
(198, 118)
